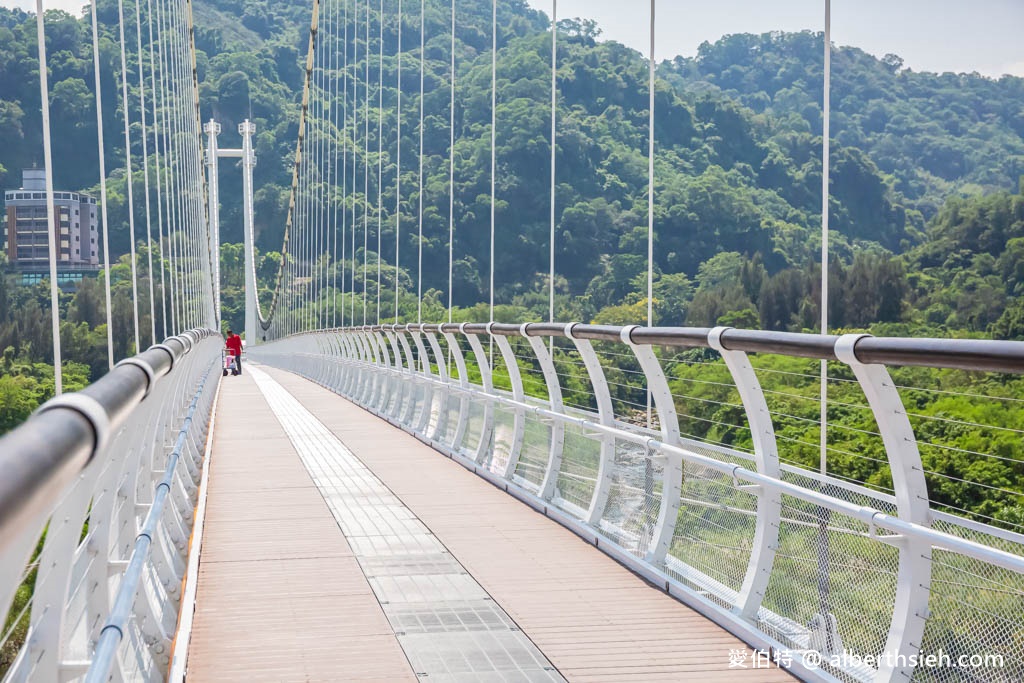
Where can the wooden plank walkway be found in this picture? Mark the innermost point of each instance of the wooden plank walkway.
(593, 619)
(280, 595)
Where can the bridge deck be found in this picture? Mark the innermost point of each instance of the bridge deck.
(340, 548)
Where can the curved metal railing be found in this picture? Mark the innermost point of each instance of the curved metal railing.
(852, 582)
(107, 477)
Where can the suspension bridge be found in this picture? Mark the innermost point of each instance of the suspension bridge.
(376, 498)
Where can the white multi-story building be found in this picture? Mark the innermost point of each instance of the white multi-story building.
(77, 230)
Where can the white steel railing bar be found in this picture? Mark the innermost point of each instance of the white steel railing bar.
(113, 632)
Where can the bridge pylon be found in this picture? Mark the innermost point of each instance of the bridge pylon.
(247, 129)
(212, 130)
(248, 156)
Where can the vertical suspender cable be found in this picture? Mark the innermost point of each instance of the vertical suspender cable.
(103, 186)
(187, 157)
(311, 163)
(398, 160)
(419, 241)
(163, 91)
(156, 161)
(494, 139)
(650, 180)
(211, 289)
(316, 176)
(179, 239)
(823, 514)
(190, 171)
(366, 162)
(650, 196)
(51, 222)
(326, 167)
(145, 172)
(343, 132)
(298, 213)
(300, 235)
(324, 173)
(128, 174)
(554, 105)
(451, 174)
(355, 155)
(825, 149)
(335, 198)
(184, 214)
(380, 149)
(305, 227)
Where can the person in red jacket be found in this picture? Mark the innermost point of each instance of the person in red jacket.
(234, 346)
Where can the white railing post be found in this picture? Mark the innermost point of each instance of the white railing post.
(444, 395)
(668, 421)
(382, 369)
(359, 345)
(429, 393)
(485, 377)
(460, 364)
(372, 380)
(413, 385)
(515, 446)
(606, 417)
(344, 362)
(47, 627)
(766, 457)
(400, 390)
(547, 366)
(913, 578)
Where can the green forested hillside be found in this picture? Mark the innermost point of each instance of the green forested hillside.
(925, 213)
(738, 140)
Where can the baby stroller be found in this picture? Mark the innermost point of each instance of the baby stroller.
(228, 363)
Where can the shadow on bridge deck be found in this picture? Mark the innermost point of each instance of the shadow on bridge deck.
(337, 547)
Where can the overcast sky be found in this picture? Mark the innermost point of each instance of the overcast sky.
(930, 35)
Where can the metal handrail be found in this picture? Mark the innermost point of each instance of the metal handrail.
(113, 632)
(40, 458)
(984, 355)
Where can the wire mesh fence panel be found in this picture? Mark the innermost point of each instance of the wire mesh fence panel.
(445, 419)
(577, 476)
(535, 452)
(833, 585)
(634, 499)
(503, 438)
(713, 535)
(475, 423)
(393, 394)
(975, 613)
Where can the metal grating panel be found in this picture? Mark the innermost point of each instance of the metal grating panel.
(447, 624)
